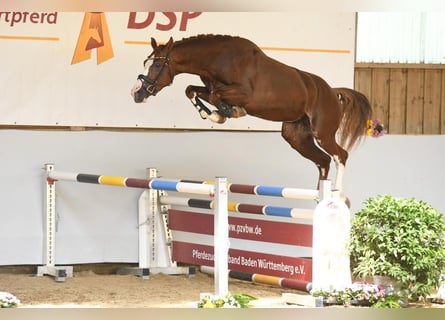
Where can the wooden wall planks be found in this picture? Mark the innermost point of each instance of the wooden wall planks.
(407, 98)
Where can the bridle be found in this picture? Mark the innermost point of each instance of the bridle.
(148, 85)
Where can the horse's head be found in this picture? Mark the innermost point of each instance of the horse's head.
(157, 75)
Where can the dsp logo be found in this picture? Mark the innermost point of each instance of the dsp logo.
(94, 35)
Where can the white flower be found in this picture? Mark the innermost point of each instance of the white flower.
(7, 300)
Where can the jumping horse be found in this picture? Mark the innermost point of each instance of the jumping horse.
(240, 79)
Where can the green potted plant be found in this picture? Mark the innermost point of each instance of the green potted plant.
(401, 239)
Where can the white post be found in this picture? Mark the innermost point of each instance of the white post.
(331, 229)
(154, 236)
(152, 240)
(325, 190)
(221, 238)
(50, 268)
(146, 213)
(50, 205)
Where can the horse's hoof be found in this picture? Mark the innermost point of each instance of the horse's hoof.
(203, 114)
(216, 117)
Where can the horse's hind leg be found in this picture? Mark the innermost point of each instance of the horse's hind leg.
(299, 135)
(325, 135)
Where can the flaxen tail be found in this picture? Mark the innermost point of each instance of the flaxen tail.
(356, 112)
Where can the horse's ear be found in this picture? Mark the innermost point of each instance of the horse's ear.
(154, 45)
(169, 44)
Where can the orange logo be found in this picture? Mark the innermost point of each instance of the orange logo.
(94, 34)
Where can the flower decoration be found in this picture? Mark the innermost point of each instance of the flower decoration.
(375, 128)
(239, 300)
(359, 293)
(331, 296)
(8, 300)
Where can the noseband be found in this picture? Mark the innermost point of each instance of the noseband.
(148, 85)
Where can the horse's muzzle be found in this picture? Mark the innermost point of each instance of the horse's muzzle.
(143, 89)
(138, 98)
(141, 95)
(148, 88)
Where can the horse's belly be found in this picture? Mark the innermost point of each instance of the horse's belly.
(274, 112)
(282, 98)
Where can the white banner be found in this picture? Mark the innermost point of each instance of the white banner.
(77, 69)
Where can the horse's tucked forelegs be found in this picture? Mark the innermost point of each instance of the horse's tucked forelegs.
(217, 117)
(227, 99)
(238, 112)
(192, 93)
(214, 116)
(229, 111)
(201, 107)
(224, 111)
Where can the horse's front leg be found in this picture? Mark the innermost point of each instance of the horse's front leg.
(228, 99)
(194, 93)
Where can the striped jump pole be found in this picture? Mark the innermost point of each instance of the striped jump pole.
(266, 210)
(155, 183)
(272, 191)
(190, 186)
(275, 191)
(265, 279)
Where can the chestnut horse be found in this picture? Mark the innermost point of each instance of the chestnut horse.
(239, 79)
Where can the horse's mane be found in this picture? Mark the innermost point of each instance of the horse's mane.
(203, 36)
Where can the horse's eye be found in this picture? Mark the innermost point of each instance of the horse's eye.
(157, 64)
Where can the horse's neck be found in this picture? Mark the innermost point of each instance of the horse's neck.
(188, 64)
(190, 60)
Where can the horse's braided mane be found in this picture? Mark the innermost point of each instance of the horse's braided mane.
(202, 36)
